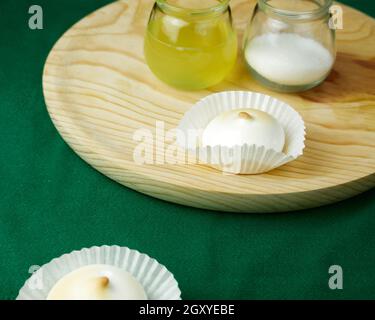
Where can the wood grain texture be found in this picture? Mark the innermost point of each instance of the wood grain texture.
(99, 91)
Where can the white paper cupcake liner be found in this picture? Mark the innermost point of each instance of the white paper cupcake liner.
(157, 281)
(245, 159)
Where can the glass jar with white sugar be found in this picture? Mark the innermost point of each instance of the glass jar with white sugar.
(288, 45)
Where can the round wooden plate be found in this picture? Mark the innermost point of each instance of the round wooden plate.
(99, 91)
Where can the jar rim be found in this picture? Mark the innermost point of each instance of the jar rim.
(323, 9)
(221, 7)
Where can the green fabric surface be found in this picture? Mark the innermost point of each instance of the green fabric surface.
(52, 202)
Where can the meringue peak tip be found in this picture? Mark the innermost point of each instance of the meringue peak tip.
(245, 115)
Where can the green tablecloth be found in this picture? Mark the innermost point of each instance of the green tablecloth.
(51, 202)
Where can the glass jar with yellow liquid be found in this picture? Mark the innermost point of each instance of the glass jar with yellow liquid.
(191, 44)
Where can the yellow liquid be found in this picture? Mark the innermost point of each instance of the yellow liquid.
(190, 55)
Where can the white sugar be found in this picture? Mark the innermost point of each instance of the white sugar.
(288, 58)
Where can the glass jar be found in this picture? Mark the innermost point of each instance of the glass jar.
(191, 44)
(289, 45)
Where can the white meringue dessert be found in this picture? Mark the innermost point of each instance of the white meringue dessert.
(97, 282)
(244, 126)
